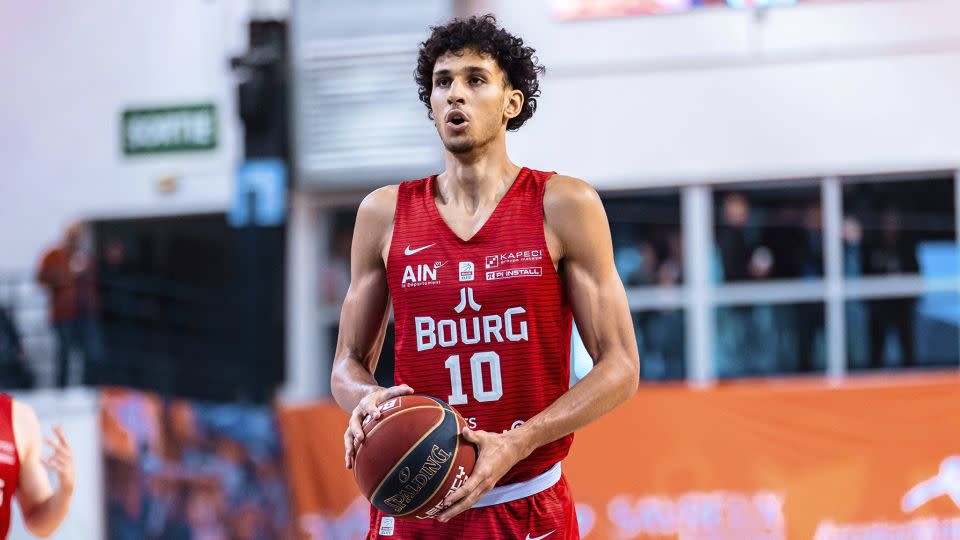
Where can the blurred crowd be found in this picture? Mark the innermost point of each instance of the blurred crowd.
(184, 470)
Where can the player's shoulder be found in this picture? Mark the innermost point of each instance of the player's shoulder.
(567, 195)
(379, 205)
(23, 413)
(26, 425)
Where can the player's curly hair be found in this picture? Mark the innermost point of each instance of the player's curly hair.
(482, 34)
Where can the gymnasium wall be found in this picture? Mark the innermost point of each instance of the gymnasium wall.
(725, 94)
(70, 69)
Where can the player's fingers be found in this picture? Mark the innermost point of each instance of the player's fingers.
(475, 436)
(52, 444)
(370, 405)
(356, 425)
(463, 505)
(462, 491)
(395, 391)
(61, 437)
(348, 447)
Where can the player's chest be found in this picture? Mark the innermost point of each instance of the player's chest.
(428, 270)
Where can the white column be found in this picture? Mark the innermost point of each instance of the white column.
(308, 370)
(836, 321)
(698, 247)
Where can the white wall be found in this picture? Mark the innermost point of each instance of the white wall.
(70, 68)
(724, 95)
(77, 411)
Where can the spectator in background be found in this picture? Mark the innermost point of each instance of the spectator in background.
(67, 272)
(741, 257)
(888, 250)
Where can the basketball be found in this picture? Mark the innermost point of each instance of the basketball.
(413, 456)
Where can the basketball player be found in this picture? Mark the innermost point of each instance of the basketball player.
(23, 473)
(486, 265)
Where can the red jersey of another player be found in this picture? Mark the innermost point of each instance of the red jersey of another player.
(9, 463)
(483, 323)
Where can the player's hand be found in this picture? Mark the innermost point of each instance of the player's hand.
(61, 461)
(498, 454)
(353, 436)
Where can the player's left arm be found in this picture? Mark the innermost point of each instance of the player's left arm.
(43, 507)
(577, 223)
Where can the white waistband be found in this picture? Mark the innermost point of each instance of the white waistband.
(521, 490)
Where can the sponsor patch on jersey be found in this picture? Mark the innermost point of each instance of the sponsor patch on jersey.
(510, 273)
(418, 275)
(466, 271)
(386, 526)
(529, 255)
(8, 453)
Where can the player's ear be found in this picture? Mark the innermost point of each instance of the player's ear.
(512, 102)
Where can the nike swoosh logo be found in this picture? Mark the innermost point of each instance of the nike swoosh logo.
(540, 537)
(409, 251)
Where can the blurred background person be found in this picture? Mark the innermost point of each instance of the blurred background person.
(889, 249)
(67, 272)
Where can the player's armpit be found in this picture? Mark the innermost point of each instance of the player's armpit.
(576, 219)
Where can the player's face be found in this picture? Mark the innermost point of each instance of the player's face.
(470, 101)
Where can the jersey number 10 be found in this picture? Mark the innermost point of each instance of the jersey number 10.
(477, 362)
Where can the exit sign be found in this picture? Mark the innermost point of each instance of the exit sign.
(186, 128)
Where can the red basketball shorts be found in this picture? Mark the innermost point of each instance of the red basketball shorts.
(547, 515)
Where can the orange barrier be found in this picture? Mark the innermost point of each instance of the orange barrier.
(870, 459)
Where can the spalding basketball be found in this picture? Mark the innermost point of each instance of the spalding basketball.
(413, 456)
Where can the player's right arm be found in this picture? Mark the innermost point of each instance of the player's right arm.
(363, 319)
(43, 507)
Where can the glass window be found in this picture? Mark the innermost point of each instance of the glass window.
(770, 339)
(904, 332)
(660, 340)
(647, 242)
(770, 232)
(894, 227)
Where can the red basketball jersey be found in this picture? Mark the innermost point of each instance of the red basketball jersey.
(484, 323)
(9, 463)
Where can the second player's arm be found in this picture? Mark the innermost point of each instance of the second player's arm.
(576, 219)
(43, 507)
(363, 319)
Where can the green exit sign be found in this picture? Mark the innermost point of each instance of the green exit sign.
(186, 128)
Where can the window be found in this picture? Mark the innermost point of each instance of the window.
(770, 232)
(770, 339)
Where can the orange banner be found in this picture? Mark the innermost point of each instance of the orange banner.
(870, 459)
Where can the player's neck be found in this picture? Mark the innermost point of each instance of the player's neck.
(480, 177)
(477, 182)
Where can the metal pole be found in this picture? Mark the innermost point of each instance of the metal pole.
(698, 245)
(836, 331)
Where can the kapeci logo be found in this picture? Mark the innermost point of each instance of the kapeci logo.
(529, 255)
